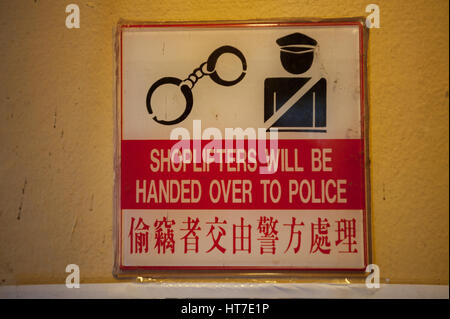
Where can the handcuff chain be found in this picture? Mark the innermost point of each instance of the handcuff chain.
(197, 74)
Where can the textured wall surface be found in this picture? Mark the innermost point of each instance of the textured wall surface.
(56, 130)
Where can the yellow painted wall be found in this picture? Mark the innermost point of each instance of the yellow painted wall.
(56, 130)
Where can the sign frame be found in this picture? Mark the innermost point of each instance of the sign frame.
(172, 272)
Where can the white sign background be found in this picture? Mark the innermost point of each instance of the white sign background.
(153, 53)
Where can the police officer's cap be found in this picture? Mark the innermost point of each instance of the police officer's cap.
(296, 39)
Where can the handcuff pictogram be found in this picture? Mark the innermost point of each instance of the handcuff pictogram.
(186, 85)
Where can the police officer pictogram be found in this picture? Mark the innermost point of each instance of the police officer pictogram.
(296, 104)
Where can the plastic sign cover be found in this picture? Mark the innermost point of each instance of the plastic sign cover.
(241, 146)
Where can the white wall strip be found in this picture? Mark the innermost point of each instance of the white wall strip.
(224, 290)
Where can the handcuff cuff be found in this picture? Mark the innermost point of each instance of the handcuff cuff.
(205, 69)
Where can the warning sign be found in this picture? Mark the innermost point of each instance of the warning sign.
(241, 146)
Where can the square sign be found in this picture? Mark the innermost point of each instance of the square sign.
(241, 146)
